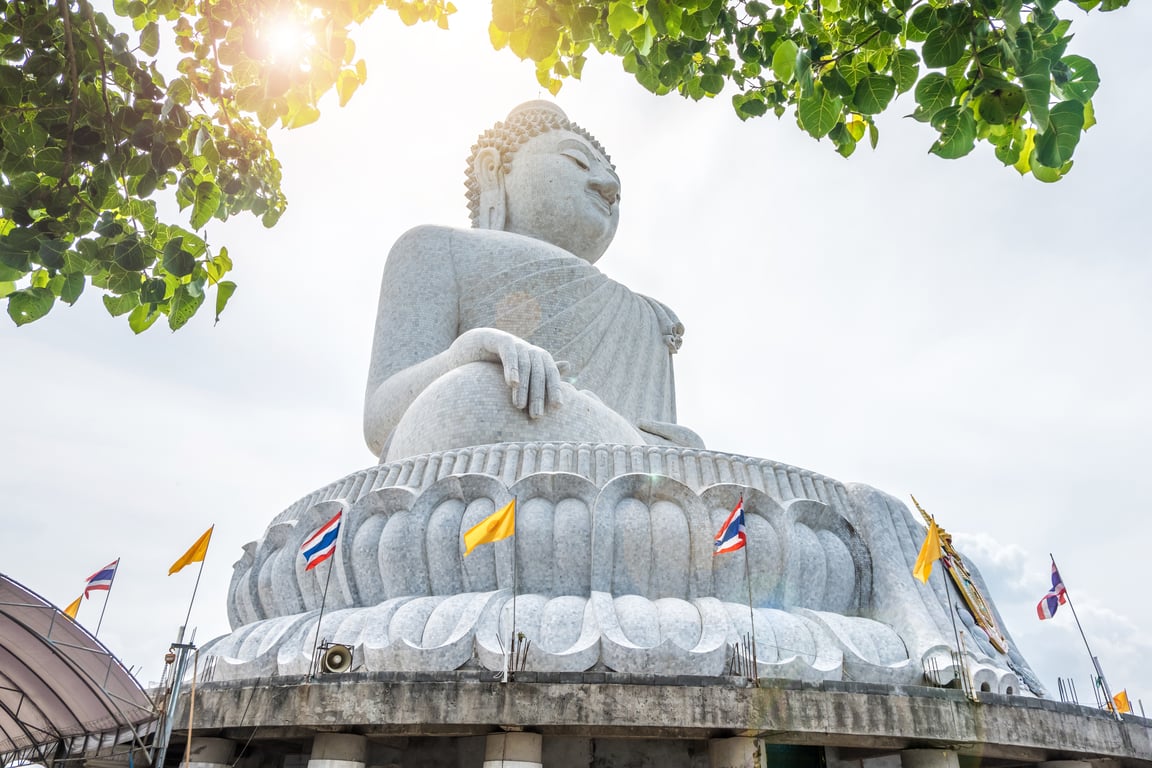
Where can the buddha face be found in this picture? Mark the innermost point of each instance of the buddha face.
(561, 190)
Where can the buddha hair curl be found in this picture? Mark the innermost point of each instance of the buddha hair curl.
(530, 119)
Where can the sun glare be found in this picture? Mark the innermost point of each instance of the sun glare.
(285, 38)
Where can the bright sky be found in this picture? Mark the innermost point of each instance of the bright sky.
(942, 328)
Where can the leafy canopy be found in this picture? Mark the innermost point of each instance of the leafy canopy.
(91, 128)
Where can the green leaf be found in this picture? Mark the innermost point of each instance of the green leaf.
(1001, 105)
(1083, 79)
(73, 286)
(1023, 162)
(905, 69)
(184, 305)
(129, 254)
(150, 38)
(52, 253)
(178, 261)
(120, 305)
(346, 85)
(205, 203)
(29, 305)
(142, 318)
(543, 42)
(933, 93)
(301, 116)
(803, 71)
(784, 60)
(957, 127)
(1089, 116)
(622, 17)
(853, 69)
(1037, 91)
(153, 290)
(945, 45)
(922, 22)
(712, 84)
(873, 94)
(224, 292)
(50, 162)
(1050, 175)
(180, 91)
(1055, 145)
(820, 112)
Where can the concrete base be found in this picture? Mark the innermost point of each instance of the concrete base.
(513, 750)
(208, 752)
(338, 750)
(738, 752)
(929, 758)
(464, 720)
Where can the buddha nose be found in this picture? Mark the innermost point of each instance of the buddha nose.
(606, 185)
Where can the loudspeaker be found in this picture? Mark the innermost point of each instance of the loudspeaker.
(336, 658)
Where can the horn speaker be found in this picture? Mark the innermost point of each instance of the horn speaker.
(336, 658)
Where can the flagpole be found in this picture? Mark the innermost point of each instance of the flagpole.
(320, 618)
(1095, 662)
(188, 616)
(512, 641)
(751, 614)
(106, 598)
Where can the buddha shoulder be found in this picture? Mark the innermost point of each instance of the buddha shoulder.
(462, 247)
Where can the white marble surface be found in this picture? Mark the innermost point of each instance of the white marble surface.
(505, 365)
(508, 332)
(613, 569)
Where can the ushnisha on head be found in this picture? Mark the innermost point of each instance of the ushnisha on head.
(540, 175)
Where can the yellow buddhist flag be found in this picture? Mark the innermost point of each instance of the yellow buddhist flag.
(195, 553)
(499, 525)
(1123, 706)
(73, 608)
(929, 553)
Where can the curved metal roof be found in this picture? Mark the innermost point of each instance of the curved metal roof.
(59, 686)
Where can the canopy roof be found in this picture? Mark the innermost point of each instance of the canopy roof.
(59, 686)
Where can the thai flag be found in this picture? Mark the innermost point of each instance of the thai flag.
(102, 579)
(1055, 598)
(732, 535)
(320, 545)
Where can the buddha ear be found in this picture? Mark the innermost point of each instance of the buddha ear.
(488, 170)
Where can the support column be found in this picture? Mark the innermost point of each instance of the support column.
(737, 752)
(929, 758)
(513, 750)
(208, 752)
(338, 750)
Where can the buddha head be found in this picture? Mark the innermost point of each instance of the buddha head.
(540, 175)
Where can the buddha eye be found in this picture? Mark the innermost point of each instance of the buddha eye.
(579, 159)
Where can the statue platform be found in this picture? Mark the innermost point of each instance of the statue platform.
(613, 570)
(616, 720)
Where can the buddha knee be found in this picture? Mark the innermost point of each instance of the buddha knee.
(472, 405)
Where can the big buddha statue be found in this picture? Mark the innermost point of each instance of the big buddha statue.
(507, 366)
(507, 331)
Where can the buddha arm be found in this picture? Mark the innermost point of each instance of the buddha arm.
(415, 327)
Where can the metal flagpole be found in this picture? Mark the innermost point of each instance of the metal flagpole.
(106, 597)
(1095, 661)
(191, 709)
(512, 640)
(952, 612)
(188, 615)
(748, 581)
(320, 618)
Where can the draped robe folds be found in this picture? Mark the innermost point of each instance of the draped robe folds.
(612, 338)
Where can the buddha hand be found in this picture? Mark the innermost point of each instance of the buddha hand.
(529, 371)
